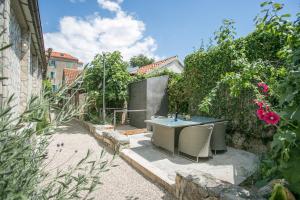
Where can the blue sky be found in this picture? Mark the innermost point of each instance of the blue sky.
(158, 28)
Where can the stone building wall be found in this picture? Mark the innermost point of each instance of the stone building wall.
(19, 63)
(10, 57)
(36, 76)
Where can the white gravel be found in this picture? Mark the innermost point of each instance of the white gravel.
(120, 183)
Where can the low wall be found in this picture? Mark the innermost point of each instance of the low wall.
(106, 134)
(200, 185)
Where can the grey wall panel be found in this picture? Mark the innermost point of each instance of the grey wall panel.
(157, 97)
(137, 101)
(149, 94)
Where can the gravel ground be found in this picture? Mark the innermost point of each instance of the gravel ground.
(119, 183)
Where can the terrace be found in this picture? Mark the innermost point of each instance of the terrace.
(224, 169)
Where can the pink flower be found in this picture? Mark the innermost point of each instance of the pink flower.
(260, 104)
(260, 113)
(271, 117)
(265, 87)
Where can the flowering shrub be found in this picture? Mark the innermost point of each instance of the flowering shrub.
(263, 112)
(220, 81)
(283, 160)
(263, 86)
(224, 79)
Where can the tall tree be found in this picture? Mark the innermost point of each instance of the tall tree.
(140, 60)
(116, 76)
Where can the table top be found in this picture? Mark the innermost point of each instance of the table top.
(170, 122)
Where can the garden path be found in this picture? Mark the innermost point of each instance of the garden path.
(120, 183)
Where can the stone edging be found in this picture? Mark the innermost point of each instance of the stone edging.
(105, 134)
(148, 171)
(200, 185)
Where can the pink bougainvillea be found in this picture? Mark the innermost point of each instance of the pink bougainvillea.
(263, 86)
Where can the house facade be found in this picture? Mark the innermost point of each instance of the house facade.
(59, 61)
(171, 64)
(23, 63)
(69, 77)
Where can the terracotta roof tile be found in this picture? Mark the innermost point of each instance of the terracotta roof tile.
(61, 55)
(147, 68)
(70, 75)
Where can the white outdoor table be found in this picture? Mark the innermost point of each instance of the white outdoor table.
(167, 127)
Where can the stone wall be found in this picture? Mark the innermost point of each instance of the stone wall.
(19, 63)
(252, 144)
(25, 76)
(10, 58)
(200, 185)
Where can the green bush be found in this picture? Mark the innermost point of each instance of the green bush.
(237, 62)
(286, 142)
(117, 79)
(223, 79)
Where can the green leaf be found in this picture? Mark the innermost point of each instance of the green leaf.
(264, 3)
(3, 78)
(278, 6)
(286, 15)
(5, 47)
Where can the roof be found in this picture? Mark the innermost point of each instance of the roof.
(31, 12)
(70, 75)
(147, 68)
(65, 56)
(132, 70)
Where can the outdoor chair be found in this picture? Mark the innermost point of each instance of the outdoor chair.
(195, 141)
(218, 142)
(163, 137)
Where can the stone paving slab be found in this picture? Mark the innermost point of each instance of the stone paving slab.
(233, 166)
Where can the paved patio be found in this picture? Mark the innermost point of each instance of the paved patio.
(233, 166)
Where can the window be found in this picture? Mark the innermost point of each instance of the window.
(53, 88)
(52, 75)
(69, 64)
(52, 63)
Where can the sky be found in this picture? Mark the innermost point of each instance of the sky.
(156, 28)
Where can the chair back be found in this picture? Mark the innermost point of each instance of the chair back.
(195, 140)
(218, 137)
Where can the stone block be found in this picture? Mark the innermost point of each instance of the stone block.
(196, 185)
(105, 134)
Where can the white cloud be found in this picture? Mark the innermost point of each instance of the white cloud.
(112, 5)
(85, 37)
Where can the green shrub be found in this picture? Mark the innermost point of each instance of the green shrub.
(228, 75)
(221, 79)
(117, 79)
